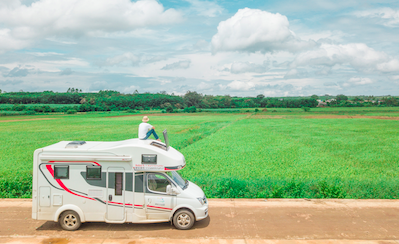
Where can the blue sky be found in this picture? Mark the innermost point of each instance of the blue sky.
(241, 48)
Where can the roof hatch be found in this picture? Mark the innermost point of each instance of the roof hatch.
(75, 144)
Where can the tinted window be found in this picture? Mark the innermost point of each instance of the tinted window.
(93, 172)
(118, 184)
(149, 158)
(157, 182)
(138, 183)
(61, 172)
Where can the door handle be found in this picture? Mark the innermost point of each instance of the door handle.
(110, 197)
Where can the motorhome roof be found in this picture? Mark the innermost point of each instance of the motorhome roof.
(132, 150)
(98, 145)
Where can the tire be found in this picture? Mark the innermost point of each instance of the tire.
(70, 220)
(183, 219)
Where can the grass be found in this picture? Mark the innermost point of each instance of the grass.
(234, 154)
(299, 158)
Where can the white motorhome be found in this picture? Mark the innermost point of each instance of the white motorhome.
(132, 181)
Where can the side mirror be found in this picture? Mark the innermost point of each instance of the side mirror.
(169, 190)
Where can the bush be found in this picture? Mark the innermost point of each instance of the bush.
(169, 109)
(71, 111)
(132, 111)
(256, 110)
(306, 109)
(191, 109)
(30, 112)
(19, 107)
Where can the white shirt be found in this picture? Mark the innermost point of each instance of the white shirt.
(143, 129)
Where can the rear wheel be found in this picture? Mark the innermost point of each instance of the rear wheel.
(183, 219)
(70, 220)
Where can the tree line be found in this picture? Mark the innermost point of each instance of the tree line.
(108, 100)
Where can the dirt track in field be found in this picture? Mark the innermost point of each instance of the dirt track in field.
(16, 120)
(323, 117)
(230, 221)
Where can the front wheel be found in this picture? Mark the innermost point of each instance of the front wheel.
(183, 219)
(70, 220)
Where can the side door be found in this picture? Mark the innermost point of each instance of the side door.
(115, 194)
(158, 203)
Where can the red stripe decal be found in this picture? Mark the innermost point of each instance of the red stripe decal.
(158, 207)
(50, 169)
(60, 183)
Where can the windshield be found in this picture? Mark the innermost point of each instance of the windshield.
(178, 179)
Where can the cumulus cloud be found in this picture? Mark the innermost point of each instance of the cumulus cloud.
(245, 67)
(358, 55)
(252, 30)
(82, 17)
(387, 16)
(184, 64)
(17, 72)
(8, 42)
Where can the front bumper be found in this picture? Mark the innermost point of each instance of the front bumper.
(202, 212)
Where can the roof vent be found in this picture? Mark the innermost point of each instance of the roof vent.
(75, 144)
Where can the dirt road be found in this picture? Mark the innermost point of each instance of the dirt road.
(230, 221)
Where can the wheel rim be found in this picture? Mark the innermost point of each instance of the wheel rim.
(70, 220)
(183, 219)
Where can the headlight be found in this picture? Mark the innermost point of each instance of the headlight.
(201, 200)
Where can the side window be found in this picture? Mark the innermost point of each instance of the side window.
(149, 159)
(138, 183)
(93, 172)
(61, 171)
(157, 182)
(118, 184)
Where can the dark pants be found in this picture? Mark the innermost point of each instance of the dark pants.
(152, 131)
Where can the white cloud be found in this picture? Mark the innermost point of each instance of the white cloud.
(123, 59)
(389, 66)
(358, 55)
(82, 17)
(360, 81)
(184, 64)
(388, 16)
(8, 42)
(241, 85)
(206, 8)
(244, 67)
(251, 30)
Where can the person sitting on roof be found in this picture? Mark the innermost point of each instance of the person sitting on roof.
(146, 130)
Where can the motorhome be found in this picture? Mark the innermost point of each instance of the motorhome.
(133, 181)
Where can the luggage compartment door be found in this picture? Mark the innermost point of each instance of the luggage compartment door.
(44, 196)
(115, 194)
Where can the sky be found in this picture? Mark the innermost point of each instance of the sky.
(235, 47)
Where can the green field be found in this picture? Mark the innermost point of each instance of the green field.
(278, 153)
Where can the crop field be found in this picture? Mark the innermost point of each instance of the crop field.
(279, 153)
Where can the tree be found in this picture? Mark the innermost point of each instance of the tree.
(314, 96)
(358, 99)
(192, 98)
(341, 97)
